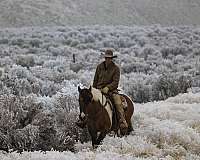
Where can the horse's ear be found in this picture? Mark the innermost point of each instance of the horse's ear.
(90, 88)
(79, 88)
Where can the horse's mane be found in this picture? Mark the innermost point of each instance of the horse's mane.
(97, 96)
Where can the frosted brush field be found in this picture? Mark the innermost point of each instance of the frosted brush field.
(160, 70)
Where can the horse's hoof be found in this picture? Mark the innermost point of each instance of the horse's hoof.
(95, 146)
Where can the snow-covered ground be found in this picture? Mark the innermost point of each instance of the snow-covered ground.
(167, 130)
(18, 13)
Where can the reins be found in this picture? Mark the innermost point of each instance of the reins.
(104, 105)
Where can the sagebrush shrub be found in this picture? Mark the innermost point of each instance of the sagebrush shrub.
(25, 61)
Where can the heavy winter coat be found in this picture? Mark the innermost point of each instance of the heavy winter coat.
(107, 76)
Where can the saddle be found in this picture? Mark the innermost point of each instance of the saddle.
(111, 101)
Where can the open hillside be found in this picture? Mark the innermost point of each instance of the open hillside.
(156, 62)
(19, 13)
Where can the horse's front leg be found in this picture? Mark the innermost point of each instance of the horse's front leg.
(93, 135)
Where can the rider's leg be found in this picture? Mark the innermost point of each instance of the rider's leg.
(119, 106)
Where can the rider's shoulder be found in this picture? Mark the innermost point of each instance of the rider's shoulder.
(116, 66)
(100, 65)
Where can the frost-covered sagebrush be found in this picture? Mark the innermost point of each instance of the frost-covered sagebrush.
(40, 69)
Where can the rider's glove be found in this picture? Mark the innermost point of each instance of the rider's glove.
(105, 90)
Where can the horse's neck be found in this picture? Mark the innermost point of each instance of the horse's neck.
(98, 96)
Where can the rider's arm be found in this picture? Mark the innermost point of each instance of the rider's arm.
(96, 77)
(115, 81)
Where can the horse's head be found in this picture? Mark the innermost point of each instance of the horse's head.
(85, 97)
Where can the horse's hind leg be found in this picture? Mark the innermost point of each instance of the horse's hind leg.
(101, 137)
(130, 127)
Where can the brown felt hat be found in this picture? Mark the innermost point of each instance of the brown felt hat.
(109, 54)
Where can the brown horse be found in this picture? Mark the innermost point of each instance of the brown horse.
(97, 113)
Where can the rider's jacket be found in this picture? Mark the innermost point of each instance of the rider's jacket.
(107, 76)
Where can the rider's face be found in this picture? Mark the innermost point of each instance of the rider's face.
(108, 60)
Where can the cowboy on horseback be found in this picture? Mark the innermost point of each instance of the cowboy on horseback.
(106, 79)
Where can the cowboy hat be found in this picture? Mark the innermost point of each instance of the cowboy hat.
(109, 54)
